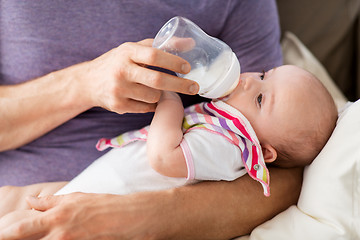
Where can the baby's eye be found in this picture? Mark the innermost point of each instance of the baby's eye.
(262, 76)
(259, 99)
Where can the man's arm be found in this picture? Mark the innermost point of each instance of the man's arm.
(208, 210)
(31, 109)
(225, 210)
(165, 135)
(117, 80)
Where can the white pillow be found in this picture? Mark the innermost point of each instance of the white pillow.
(329, 203)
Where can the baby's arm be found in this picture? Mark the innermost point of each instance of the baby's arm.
(165, 134)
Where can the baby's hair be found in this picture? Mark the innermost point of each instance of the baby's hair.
(300, 146)
(289, 148)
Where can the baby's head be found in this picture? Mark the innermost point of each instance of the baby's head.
(290, 110)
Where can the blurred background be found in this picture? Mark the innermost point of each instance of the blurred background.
(330, 29)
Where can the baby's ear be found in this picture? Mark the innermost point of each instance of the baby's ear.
(269, 153)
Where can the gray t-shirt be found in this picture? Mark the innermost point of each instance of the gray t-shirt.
(38, 37)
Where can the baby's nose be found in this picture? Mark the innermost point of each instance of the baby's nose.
(248, 82)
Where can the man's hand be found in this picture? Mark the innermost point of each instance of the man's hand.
(84, 216)
(120, 81)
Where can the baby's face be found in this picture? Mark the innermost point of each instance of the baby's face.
(272, 101)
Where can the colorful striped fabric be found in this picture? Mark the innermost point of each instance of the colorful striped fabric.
(236, 129)
(219, 118)
(123, 139)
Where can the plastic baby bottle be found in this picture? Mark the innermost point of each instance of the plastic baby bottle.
(214, 66)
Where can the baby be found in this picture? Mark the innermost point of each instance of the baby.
(282, 117)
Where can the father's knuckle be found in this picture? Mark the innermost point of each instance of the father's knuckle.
(125, 45)
(124, 72)
(151, 55)
(154, 97)
(156, 79)
(118, 106)
(55, 219)
(147, 108)
(47, 198)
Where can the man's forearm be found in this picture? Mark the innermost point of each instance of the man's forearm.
(223, 210)
(31, 109)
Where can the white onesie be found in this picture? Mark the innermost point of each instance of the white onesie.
(219, 144)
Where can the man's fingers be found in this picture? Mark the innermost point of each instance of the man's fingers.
(27, 228)
(43, 203)
(144, 54)
(142, 93)
(139, 107)
(163, 81)
(141, 55)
